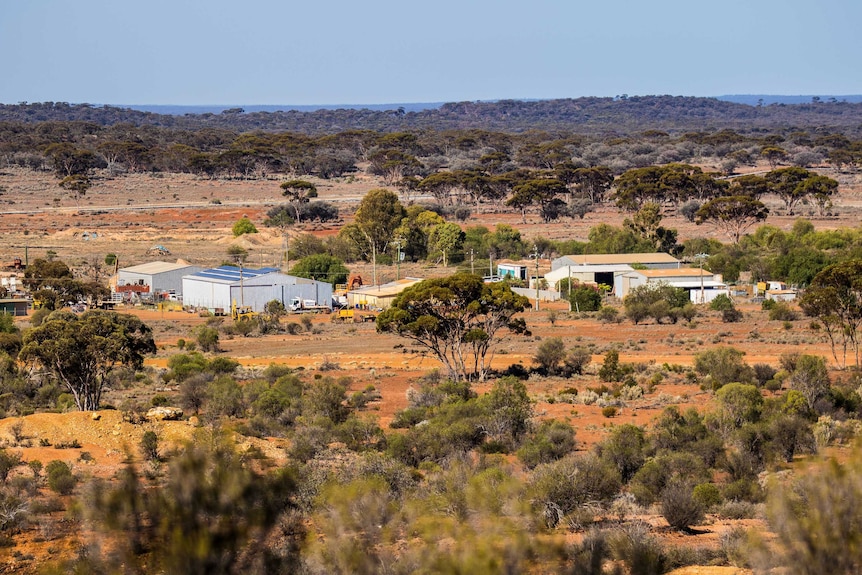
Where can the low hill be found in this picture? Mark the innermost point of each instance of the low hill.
(621, 115)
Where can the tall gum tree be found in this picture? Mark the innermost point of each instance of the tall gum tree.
(457, 319)
(79, 352)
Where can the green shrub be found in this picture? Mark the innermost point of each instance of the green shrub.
(60, 478)
(721, 302)
(782, 312)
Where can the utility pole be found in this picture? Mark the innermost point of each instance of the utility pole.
(700, 258)
(570, 288)
(472, 268)
(398, 241)
(536, 255)
(491, 266)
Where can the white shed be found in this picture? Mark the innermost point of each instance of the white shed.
(216, 289)
(154, 278)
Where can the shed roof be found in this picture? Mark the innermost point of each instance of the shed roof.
(674, 273)
(230, 274)
(153, 268)
(640, 258)
(388, 289)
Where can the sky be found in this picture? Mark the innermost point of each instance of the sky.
(214, 52)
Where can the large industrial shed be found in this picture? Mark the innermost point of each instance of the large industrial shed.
(652, 261)
(154, 278)
(216, 289)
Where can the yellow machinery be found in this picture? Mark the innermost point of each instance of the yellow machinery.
(242, 313)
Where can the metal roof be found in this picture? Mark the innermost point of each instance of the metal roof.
(153, 268)
(674, 273)
(230, 274)
(642, 258)
(388, 289)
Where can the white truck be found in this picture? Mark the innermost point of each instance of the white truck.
(300, 305)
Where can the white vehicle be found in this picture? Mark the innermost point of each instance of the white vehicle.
(299, 305)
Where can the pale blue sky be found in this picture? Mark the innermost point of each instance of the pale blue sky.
(387, 51)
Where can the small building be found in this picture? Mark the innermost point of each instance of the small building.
(781, 294)
(512, 271)
(14, 306)
(653, 261)
(696, 281)
(379, 297)
(148, 280)
(217, 289)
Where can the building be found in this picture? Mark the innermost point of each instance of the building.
(148, 280)
(654, 261)
(702, 285)
(590, 274)
(217, 289)
(14, 306)
(512, 271)
(379, 297)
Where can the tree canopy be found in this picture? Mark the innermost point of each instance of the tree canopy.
(457, 319)
(321, 267)
(81, 351)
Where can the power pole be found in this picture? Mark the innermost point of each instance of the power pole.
(536, 255)
(472, 268)
(398, 241)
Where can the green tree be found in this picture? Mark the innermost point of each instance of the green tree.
(741, 402)
(551, 354)
(723, 365)
(79, 352)
(378, 216)
(788, 184)
(299, 192)
(509, 411)
(243, 226)
(732, 214)
(774, 155)
(321, 267)
(835, 298)
(212, 514)
(585, 297)
(457, 319)
(658, 300)
(625, 448)
(810, 378)
(77, 185)
(446, 238)
(535, 192)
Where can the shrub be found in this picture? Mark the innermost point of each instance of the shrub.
(150, 446)
(551, 441)
(782, 312)
(60, 478)
(707, 495)
(585, 298)
(680, 508)
(9, 460)
(243, 226)
(207, 338)
(609, 411)
(550, 354)
(721, 302)
(609, 314)
(731, 315)
(577, 359)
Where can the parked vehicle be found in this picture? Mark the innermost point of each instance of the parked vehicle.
(300, 305)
